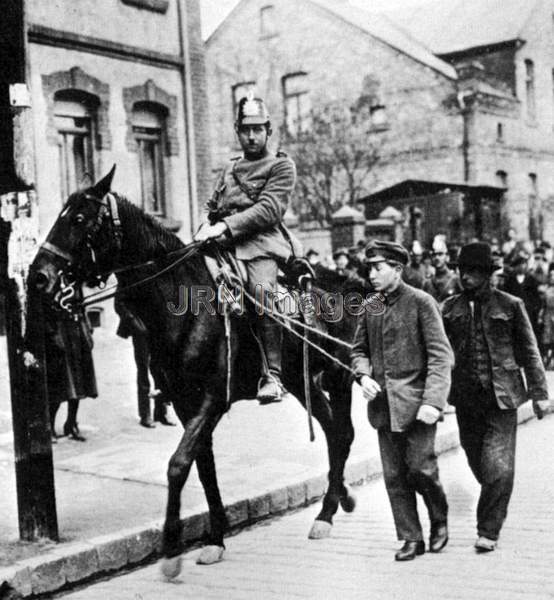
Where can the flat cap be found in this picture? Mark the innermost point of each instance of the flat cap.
(340, 252)
(379, 251)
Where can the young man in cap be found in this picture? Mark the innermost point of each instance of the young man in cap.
(492, 340)
(247, 207)
(402, 360)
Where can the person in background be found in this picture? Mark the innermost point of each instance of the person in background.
(546, 319)
(313, 257)
(522, 284)
(414, 273)
(444, 282)
(427, 265)
(131, 325)
(70, 372)
(539, 267)
(342, 260)
(492, 340)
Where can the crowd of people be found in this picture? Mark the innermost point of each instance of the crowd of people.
(523, 269)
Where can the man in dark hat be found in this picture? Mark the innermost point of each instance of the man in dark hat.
(247, 209)
(492, 340)
(341, 258)
(402, 360)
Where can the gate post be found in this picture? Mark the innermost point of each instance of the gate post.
(24, 325)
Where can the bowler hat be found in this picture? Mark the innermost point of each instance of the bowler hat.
(379, 251)
(476, 255)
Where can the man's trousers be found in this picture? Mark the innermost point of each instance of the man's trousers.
(410, 466)
(488, 437)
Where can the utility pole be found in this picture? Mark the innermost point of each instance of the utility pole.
(24, 324)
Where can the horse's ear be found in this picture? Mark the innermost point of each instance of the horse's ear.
(86, 181)
(102, 187)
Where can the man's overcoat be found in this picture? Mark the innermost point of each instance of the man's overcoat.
(405, 349)
(251, 198)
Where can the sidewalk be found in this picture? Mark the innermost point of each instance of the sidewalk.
(111, 490)
(277, 561)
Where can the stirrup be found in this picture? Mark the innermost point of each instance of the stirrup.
(268, 380)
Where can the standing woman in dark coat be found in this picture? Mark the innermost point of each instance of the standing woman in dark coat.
(69, 365)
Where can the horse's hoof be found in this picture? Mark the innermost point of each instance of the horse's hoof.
(210, 555)
(171, 567)
(348, 501)
(320, 530)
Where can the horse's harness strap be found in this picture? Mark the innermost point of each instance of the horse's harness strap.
(53, 249)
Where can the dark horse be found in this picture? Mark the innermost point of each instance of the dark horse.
(99, 232)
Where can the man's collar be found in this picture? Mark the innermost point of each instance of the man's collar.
(393, 296)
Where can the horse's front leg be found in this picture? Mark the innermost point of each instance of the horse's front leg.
(205, 464)
(334, 417)
(197, 429)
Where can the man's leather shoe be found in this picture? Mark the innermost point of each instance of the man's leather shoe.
(147, 422)
(438, 538)
(410, 550)
(72, 431)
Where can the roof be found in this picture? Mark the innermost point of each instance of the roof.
(418, 187)
(380, 26)
(448, 26)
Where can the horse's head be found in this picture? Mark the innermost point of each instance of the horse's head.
(83, 241)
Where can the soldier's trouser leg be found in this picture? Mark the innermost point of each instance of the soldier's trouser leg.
(262, 277)
(142, 361)
(488, 437)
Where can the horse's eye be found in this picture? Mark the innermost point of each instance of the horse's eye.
(79, 218)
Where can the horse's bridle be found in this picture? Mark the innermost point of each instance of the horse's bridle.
(108, 209)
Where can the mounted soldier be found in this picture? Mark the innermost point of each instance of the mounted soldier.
(246, 209)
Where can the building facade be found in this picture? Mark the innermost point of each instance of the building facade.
(465, 97)
(120, 81)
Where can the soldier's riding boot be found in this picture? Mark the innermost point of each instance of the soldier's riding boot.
(270, 387)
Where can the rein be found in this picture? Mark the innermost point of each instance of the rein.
(110, 292)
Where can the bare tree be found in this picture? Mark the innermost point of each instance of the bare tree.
(335, 149)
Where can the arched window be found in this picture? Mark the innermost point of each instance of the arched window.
(148, 123)
(74, 119)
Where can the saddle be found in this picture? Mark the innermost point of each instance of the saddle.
(230, 275)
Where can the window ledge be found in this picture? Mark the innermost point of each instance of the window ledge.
(159, 6)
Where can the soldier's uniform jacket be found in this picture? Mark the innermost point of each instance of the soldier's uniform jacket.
(251, 197)
(405, 349)
(511, 345)
(443, 285)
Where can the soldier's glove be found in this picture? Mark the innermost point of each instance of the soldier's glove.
(540, 407)
(428, 414)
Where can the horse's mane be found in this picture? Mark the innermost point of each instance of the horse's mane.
(153, 235)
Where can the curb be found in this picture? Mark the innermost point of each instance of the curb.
(74, 563)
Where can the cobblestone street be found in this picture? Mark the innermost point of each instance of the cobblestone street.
(276, 560)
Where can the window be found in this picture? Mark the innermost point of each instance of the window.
(74, 118)
(240, 90)
(530, 89)
(148, 121)
(297, 102)
(378, 117)
(267, 21)
(499, 132)
(502, 179)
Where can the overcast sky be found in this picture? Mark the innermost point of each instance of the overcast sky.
(214, 11)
